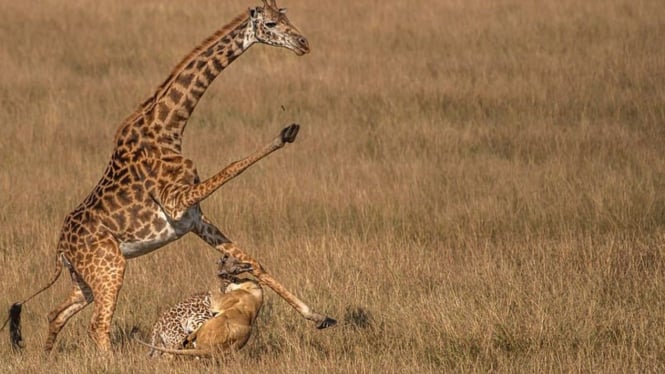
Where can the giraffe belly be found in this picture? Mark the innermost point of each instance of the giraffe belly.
(140, 248)
(171, 230)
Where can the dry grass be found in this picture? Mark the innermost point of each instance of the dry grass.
(478, 186)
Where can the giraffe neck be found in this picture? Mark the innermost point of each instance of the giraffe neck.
(161, 120)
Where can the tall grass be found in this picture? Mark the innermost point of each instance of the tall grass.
(477, 186)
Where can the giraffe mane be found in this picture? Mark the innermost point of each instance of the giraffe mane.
(272, 3)
(207, 43)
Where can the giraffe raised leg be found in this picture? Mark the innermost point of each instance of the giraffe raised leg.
(211, 235)
(192, 195)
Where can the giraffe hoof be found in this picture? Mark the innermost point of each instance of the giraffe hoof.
(327, 322)
(290, 132)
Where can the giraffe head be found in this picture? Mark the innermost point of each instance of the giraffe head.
(269, 25)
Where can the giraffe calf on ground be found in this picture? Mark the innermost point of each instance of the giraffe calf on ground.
(227, 331)
(175, 326)
(232, 328)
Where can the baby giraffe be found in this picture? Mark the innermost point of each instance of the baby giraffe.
(231, 328)
(210, 322)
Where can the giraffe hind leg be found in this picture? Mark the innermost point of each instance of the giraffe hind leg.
(105, 286)
(78, 299)
(99, 283)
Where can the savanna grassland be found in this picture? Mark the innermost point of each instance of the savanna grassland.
(477, 186)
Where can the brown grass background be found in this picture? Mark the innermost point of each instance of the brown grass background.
(477, 186)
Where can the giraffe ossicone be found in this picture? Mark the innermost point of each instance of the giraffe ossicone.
(149, 194)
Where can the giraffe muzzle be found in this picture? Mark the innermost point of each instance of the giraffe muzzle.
(302, 45)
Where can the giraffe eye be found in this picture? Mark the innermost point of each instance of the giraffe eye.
(270, 25)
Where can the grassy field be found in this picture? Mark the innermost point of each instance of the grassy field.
(478, 186)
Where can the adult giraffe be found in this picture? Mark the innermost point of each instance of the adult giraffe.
(149, 195)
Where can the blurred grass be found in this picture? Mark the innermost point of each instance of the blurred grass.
(476, 187)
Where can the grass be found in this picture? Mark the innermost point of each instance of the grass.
(476, 187)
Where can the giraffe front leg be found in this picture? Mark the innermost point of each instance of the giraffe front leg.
(200, 191)
(180, 198)
(321, 320)
(211, 235)
(229, 267)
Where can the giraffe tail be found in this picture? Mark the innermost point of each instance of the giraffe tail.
(14, 318)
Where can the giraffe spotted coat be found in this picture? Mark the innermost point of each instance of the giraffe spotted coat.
(150, 193)
(174, 325)
(178, 322)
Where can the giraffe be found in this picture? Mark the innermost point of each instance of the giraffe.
(149, 193)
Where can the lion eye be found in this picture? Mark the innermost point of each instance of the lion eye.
(270, 25)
